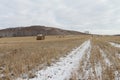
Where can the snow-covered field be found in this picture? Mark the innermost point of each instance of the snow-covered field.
(63, 69)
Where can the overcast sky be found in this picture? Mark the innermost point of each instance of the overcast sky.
(96, 16)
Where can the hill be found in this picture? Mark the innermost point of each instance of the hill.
(34, 30)
(117, 35)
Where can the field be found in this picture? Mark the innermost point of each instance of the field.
(103, 60)
(20, 55)
(80, 57)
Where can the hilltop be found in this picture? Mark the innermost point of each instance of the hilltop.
(34, 30)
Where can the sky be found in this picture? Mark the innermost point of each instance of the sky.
(95, 16)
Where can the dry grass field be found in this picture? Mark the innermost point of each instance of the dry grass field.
(26, 55)
(102, 62)
(21, 56)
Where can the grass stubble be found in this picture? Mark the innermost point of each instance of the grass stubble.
(23, 56)
(107, 71)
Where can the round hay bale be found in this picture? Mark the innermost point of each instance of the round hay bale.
(40, 37)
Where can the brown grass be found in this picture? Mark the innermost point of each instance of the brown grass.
(100, 42)
(27, 55)
(21, 55)
(110, 51)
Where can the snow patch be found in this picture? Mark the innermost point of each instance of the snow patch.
(98, 70)
(118, 55)
(62, 70)
(115, 44)
(107, 61)
(86, 67)
(117, 75)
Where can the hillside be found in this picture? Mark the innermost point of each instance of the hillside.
(34, 30)
(117, 35)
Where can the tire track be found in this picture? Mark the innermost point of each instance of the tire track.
(63, 69)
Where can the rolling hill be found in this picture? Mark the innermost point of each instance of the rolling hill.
(34, 30)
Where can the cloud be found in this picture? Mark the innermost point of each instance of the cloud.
(97, 16)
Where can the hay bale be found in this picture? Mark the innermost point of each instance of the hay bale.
(40, 37)
(61, 36)
(0, 36)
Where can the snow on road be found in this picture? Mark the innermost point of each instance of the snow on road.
(86, 67)
(63, 69)
(98, 70)
(115, 44)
